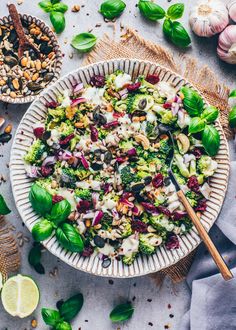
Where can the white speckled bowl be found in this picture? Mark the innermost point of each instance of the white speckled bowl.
(21, 184)
(56, 48)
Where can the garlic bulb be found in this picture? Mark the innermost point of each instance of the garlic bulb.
(208, 17)
(232, 9)
(226, 49)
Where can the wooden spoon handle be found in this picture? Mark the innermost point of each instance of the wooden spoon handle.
(17, 23)
(225, 271)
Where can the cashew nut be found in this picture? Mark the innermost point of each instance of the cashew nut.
(143, 140)
(183, 143)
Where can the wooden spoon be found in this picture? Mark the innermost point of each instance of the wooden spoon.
(24, 42)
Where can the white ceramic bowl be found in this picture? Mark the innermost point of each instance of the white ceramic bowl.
(21, 184)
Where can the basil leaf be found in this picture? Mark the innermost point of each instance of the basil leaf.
(151, 10)
(50, 316)
(40, 199)
(232, 117)
(3, 206)
(112, 8)
(176, 33)
(42, 230)
(121, 312)
(196, 125)
(55, 1)
(34, 256)
(58, 21)
(60, 7)
(211, 140)
(71, 307)
(46, 6)
(63, 326)
(232, 93)
(39, 269)
(175, 11)
(210, 114)
(69, 238)
(60, 212)
(84, 42)
(193, 102)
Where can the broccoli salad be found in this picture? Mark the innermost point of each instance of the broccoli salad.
(99, 162)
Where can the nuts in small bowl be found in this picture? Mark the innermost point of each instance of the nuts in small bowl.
(22, 79)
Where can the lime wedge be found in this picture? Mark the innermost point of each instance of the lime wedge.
(20, 296)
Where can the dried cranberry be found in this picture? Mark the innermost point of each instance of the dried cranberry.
(167, 105)
(83, 206)
(178, 215)
(111, 124)
(197, 153)
(121, 160)
(164, 210)
(46, 171)
(132, 152)
(149, 207)
(201, 205)
(139, 226)
(88, 250)
(152, 79)
(193, 184)
(118, 114)
(158, 180)
(57, 199)
(133, 87)
(94, 133)
(172, 242)
(52, 105)
(38, 132)
(97, 81)
(66, 140)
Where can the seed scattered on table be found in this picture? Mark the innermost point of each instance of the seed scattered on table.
(75, 8)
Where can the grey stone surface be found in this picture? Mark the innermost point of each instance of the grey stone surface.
(101, 296)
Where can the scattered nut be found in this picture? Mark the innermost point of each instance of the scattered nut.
(75, 8)
(8, 129)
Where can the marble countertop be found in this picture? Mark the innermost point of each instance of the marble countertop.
(156, 307)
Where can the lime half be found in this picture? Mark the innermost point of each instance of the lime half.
(20, 296)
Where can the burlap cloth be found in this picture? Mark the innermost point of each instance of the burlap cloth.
(132, 45)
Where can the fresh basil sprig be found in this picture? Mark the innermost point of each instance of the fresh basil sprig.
(175, 11)
(42, 230)
(69, 238)
(60, 212)
(57, 10)
(176, 33)
(151, 10)
(196, 125)
(208, 116)
(193, 102)
(59, 319)
(34, 258)
(211, 140)
(122, 312)
(84, 42)
(111, 9)
(40, 199)
(3, 206)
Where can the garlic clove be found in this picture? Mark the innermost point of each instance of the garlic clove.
(226, 49)
(232, 9)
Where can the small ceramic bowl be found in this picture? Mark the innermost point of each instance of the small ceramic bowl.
(54, 75)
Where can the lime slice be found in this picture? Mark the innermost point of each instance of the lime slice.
(20, 296)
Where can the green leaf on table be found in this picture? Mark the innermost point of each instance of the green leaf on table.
(46, 6)
(3, 206)
(232, 93)
(175, 11)
(210, 114)
(69, 238)
(42, 230)
(151, 10)
(176, 33)
(196, 125)
(63, 326)
(112, 8)
(51, 317)
(41, 200)
(84, 42)
(60, 7)
(193, 102)
(211, 140)
(34, 259)
(122, 313)
(71, 307)
(58, 21)
(232, 117)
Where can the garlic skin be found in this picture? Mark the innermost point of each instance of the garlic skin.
(208, 17)
(232, 9)
(226, 49)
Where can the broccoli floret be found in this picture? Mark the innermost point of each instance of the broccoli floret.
(84, 194)
(161, 223)
(68, 178)
(57, 114)
(126, 145)
(179, 162)
(46, 183)
(161, 199)
(149, 242)
(106, 221)
(193, 167)
(192, 198)
(130, 100)
(165, 148)
(102, 133)
(128, 260)
(126, 229)
(206, 165)
(82, 173)
(66, 128)
(35, 153)
(166, 116)
(142, 102)
(127, 176)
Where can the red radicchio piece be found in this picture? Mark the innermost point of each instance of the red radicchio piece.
(133, 87)
(201, 206)
(121, 160)
(83, 206)
(118, 114)
(164, 210)
(52, 105)
(106, 187)
(38, 132)
(152, 79)
(97, 218)
(126, 202)
(57, 199)
(66, 140)
(88, 251)
(149, 207)
(178, 215)
(193, 184)
(167, 106)
(197, 153)
(132, 152)
(111, 124)
(139, 226)
(94, 133)
(46, 171)
(135, 210)
(98, 81)
(158, 180)
(172, 242)
(78, 101)
(84, 162)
